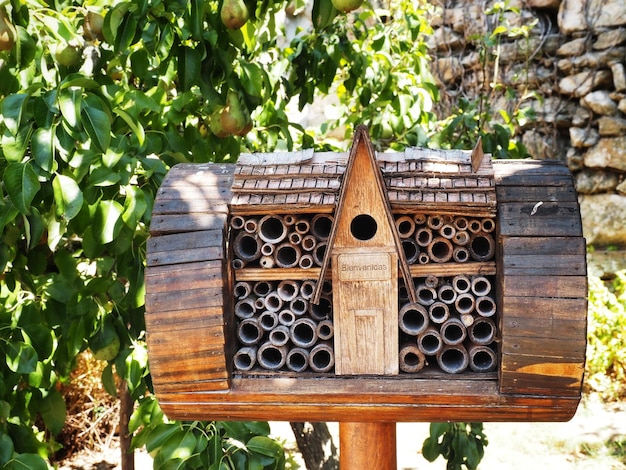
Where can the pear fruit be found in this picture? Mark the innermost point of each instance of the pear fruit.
(232, 119)
(92, 27)
(234, 13)
(347, 5)
(7, 31)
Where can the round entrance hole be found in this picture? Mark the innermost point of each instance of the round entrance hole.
(363, 227)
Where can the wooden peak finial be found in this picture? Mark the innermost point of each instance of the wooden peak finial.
(477, 155)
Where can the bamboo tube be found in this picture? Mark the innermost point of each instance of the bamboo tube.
(481, 358)
(430, 342)
(302, 226)
(251, 225)
(286, 317)
(249, 332)
(294, 238)
(488, 225)
(485, 306)
(431, 281)
(425, 295)
(482, 247)
(237, 222)
(461, 238)
(467, 319)
(297, 359)
(424, 236)
(423, 258)
(287, 290)
(482, 331)
(461, 284)
(474, 226)
(322, 358)
(460, 223)
(247, 247)
(403, 293)
(412, 360)
(323, 310)
(321, 224)
(405, 226)
(272, 229)
(446, 294)
(447, 231)
(453, 359)
(245, 358)
(279, 336)
(261, 288)
(440, 250)
(289, 219)
(268, 320)
(267, 262)
(413, 319)
(438, 312)
(306, 289)
(420, 219)
(287, 255)
(411, 250)
(238, 264)
(267, 249)
(319, 252)
(242, 289)
(453, 331)
(447, 218)
(308, 243)
(434, 222)
(259, 303)
(460, 254)
(481, 286)
(245, 308)
(465, 303)
(327, 287)
(273, 302)
(298, 306)
(306, 262)
(303, 333)
(271, 357)
(325, 330)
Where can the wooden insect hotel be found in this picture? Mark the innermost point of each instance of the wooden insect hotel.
(423, 285)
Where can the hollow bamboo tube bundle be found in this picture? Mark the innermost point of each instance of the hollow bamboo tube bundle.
(319, 252)
(242, 289)
(237, 222)
(322, 358)
(461, 283)
(440, 250)
(323, 309)
(287, 255)
(308, 243)
(488, 225)
(267, 262)
(425, 295)
(448, 231)
(247, 247)
(424, 236)
(245, 358)
(482, 246)
(460, 223)
(271, 357)
(453, 359)
(245, 308)
(430, 342)
(482, 331)
(461, 238)
(411, 358)
(306, 262)
(306, 289)
(267, 249)
(298, 306)
(302, 226)
(279, 336)
(325, 330)
(446, 294)
(272, 229)
(405, 226)
(460, 254)
(249, 332)
(481, 358)
(303, 332)
(485, 306)
(321, 225)
(453, 331)
(261, 288)
(273, 302)
(465, 303)
(268, 320)
(411, 250)
(434, 222)
(297, 359)
(438, 312)
(481, 286)
(286, 317)
(413, 319)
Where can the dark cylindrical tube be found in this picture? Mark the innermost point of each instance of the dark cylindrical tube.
(482, 358)
(251, 225)
(319, 252)
(271, 357)
(465, 303)
(482, 331)
(302, 226)
(423, 258)
(474, 226)
(322, 358)
(247, 247)
(440, 250)
(289, 219)
(461, 238)
(273, 302)
(308, 243)
(447, 231)
(321, 226)
(237, 222)
(481, 286)
(272, 229)
(267, 262)
(411, 250)
(438, 312)
(413, 319)
(453, 359)
(325, 330)
(485, 306)
(262, 288)
(259, 303)
(297, 359)
(424, 236)
(268, 320)
(294, 238)
(425, 295)
(453, 331)
(482, 247)
(242, 289)
(279, 336)
(405, 226)
(488, 225)
(245, 308)
(286, 317)
(430, 342)
(249, 332)
(287, 290)
(306, 289)
(238, 263)
(323, 309)
(420, 219)
(434, 222)
(287, 255)
(460, 254)
(412, 360)
(446, 294)
(461, 283)
(306, 262)
(245, 358)
(303, 333)
(267, 249)
(460, 223)
(298, 306)
(327, 287)
(431, 281)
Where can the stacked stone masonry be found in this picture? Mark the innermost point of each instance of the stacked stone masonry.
(570, 69)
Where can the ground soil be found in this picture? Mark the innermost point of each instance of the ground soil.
(594, 439)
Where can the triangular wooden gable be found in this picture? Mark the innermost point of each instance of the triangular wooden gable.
(362, 149)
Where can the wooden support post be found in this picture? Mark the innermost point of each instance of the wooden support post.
(367, 445)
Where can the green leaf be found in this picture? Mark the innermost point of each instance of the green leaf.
(125, 36)
(265, 446)
(8, 212)
(22, 185)
(42, 146)
(179, 445)
(70, 104)
(160, 434)
(26, 462)
(53, 411)
(14, 146)
(98, 126)
(189, 62)
(67, 197)
(12, 110)
(21, 358)
(6, 448)
(134, 125)
(107, 221)
(135, 206)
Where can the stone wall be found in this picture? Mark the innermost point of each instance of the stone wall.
(570, 69)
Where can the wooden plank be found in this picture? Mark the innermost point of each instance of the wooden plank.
(545, 329)
(185, 241)
(547, 367)
(186, 319)
(544, 307)
(487, 268)
(175, 223)
(537, 384)
(277, 274)
(191, 298)
(195, 276)
(542, 265)
(544, 246)
(573, 349)
(551, 285)
(180, 206)
(563, 193)
(546, 220)
(510, 169)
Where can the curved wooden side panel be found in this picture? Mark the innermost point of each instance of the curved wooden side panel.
(188, 304)
(542, 280)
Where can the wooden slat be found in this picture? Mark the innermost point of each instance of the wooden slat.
(550, 219)
(192, 276)
(190, 298)
(186, 319)
(545, 246)
(556, 285)
(545, 307)
(176, 223)
(543, 347)
(563, 193)
(549, 329)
